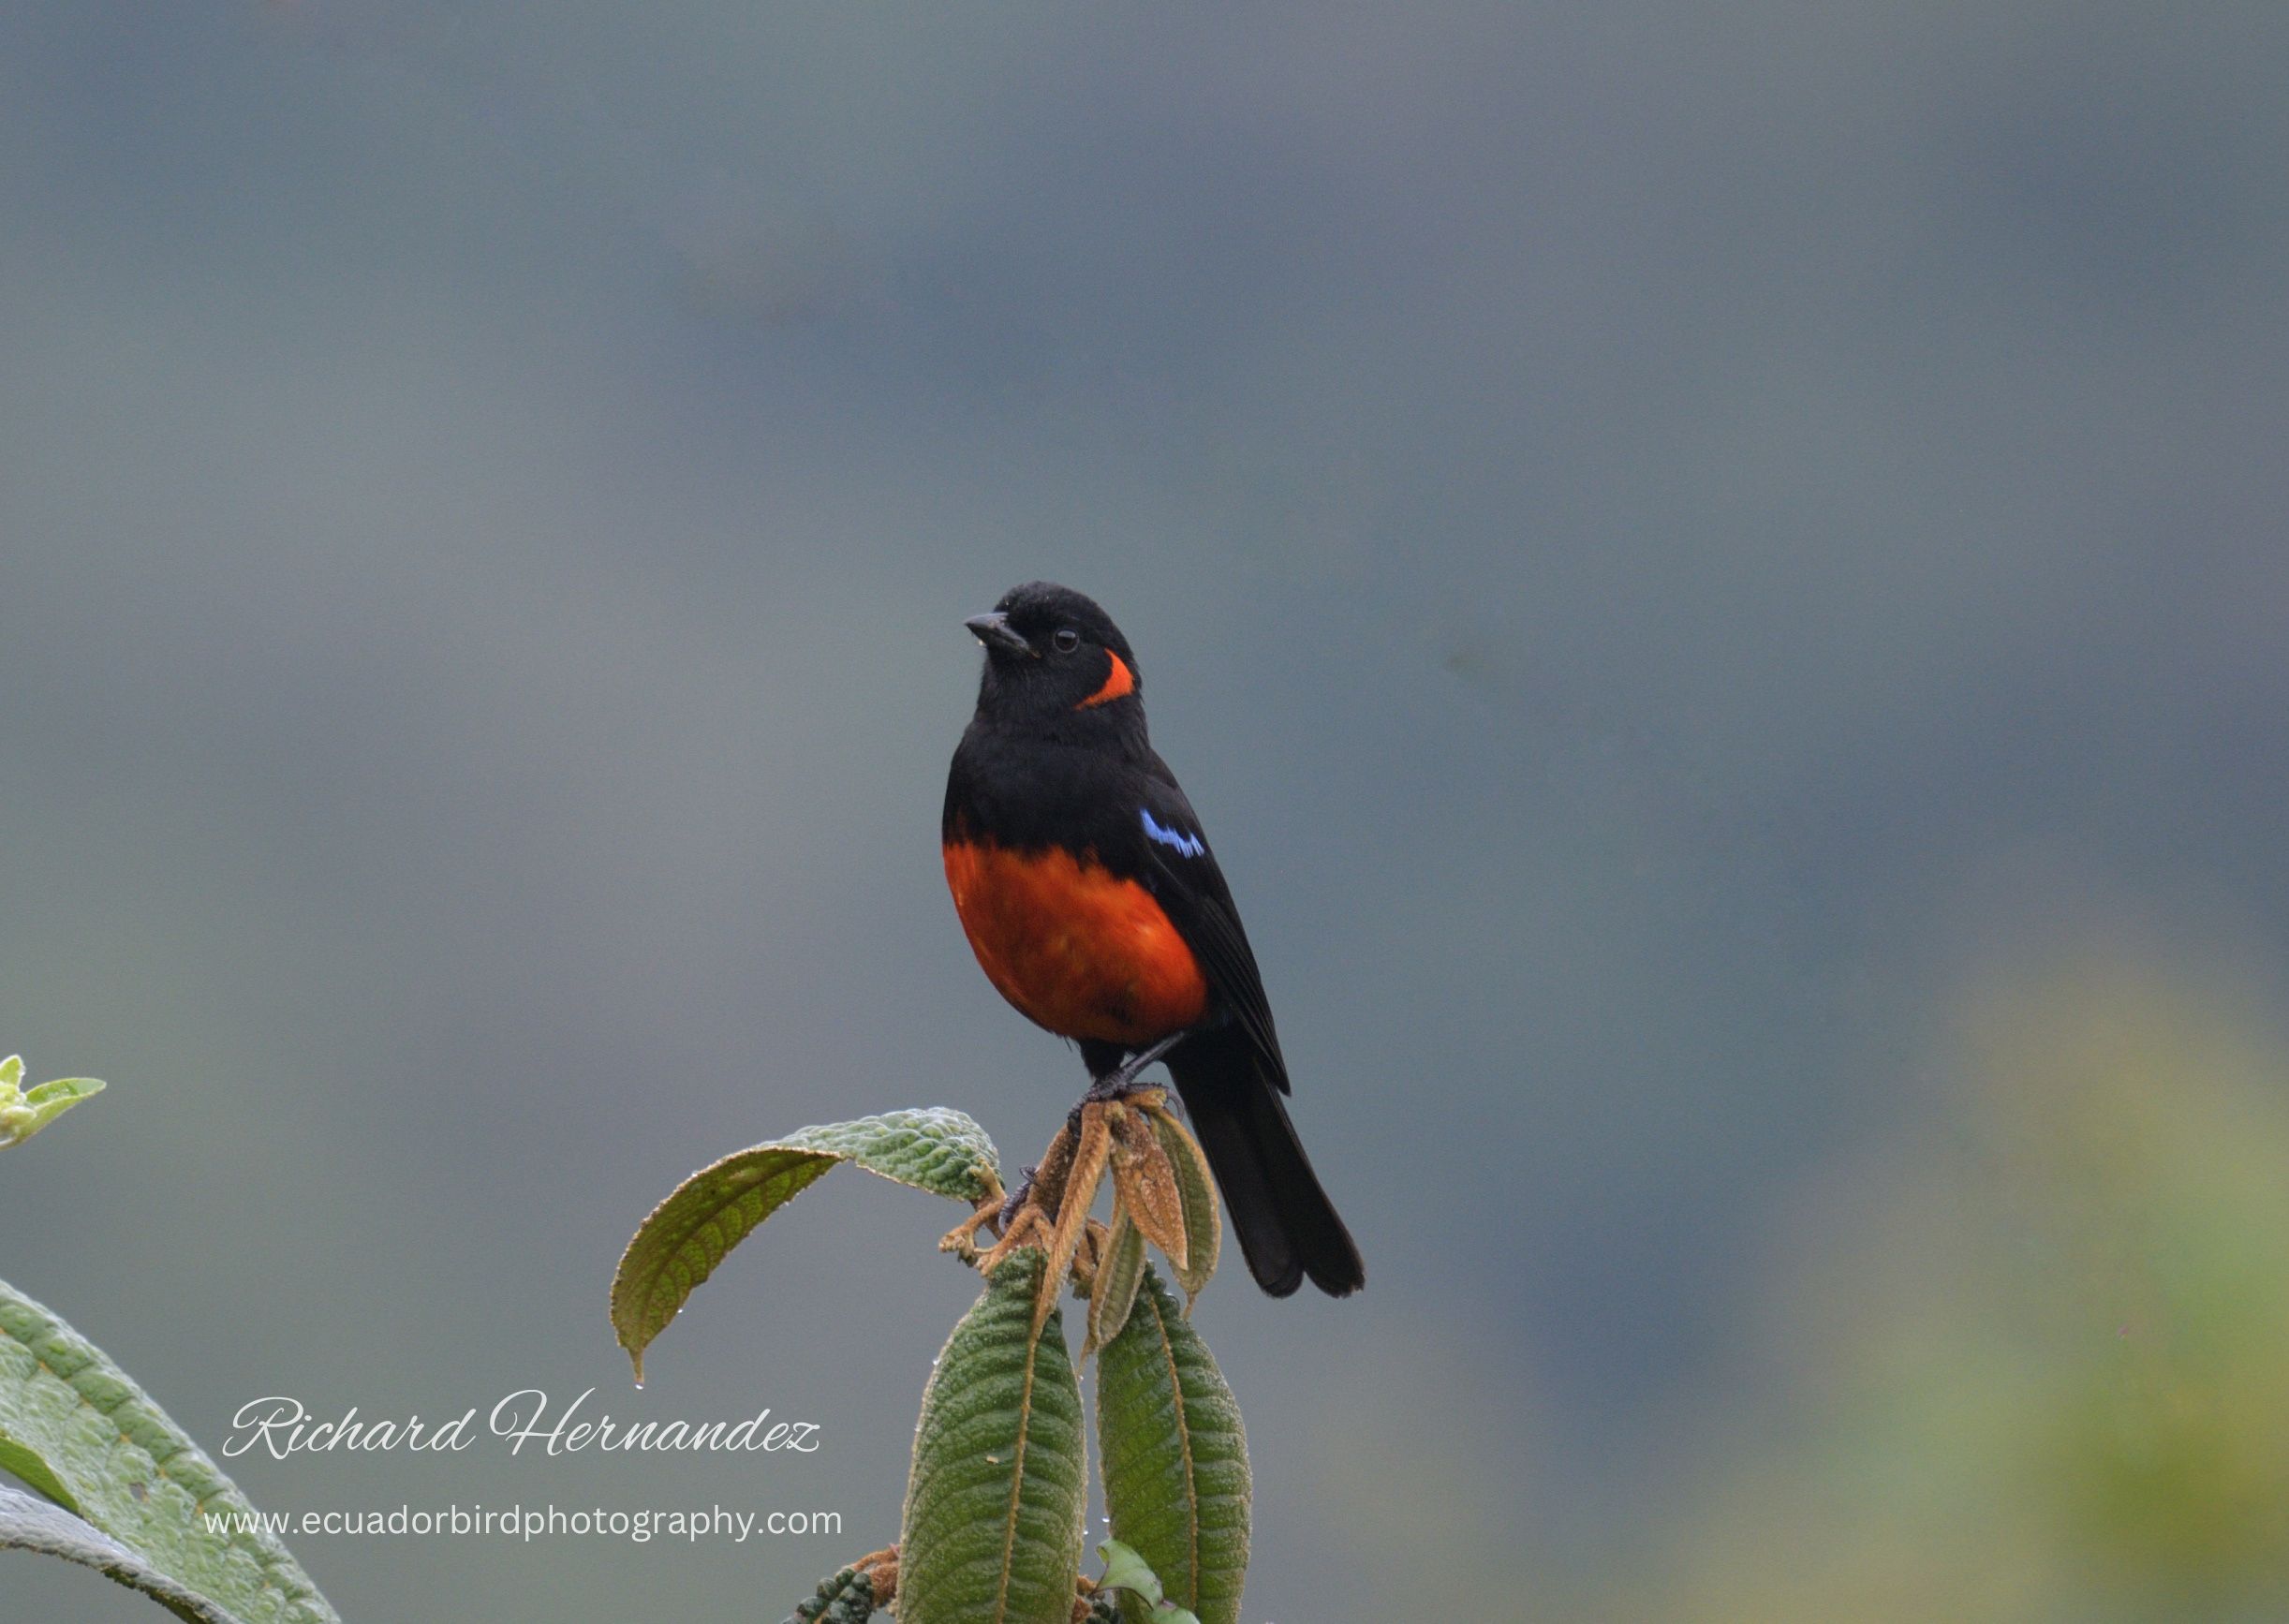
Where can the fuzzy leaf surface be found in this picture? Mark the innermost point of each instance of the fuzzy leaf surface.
(992, 1532)
(1176, 1456)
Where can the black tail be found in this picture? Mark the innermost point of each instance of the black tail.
(1287, 1226)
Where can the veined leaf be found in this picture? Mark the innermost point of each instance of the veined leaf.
(76, 1430)
(993, 1526)
(689, 1233)
(1176, 1456)
(940, 1150)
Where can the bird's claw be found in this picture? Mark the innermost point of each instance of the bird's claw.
(1121, 1081)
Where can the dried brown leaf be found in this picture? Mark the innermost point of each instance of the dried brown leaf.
(1082, 1174)
(1145, 1179)
(1203, 1224)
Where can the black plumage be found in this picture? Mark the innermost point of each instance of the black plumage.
(1056, 772)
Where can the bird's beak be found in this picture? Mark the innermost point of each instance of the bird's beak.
(997, 633)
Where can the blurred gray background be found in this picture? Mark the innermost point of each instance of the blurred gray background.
(1666, 543)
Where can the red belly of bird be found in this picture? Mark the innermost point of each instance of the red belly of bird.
(1075, 947)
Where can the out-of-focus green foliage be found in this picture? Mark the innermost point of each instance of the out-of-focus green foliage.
(24, 1112)
(131, 1493)
(2039, 1369)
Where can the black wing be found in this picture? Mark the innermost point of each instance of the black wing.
(1183, 875)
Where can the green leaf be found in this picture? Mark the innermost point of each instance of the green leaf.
(1176, 1456)
(1118, 1272)
(28, 1522)
(1127, 1571)
(73, 1426)
(936, 1149)
(993, 1526)
(691, 1233)
(22, 1114)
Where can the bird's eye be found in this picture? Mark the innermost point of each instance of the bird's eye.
(1067, 639)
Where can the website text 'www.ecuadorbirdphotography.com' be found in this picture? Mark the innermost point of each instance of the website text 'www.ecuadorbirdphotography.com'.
(528, 1523)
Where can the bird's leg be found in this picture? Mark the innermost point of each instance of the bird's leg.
(1036, 1211)
(1121, 1081)
(1016, 1199)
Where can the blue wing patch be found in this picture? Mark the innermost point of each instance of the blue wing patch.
(1176, 839)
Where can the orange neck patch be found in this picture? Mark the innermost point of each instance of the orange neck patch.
(1119, 681)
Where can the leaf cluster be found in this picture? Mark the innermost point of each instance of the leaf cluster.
(998, 1488)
